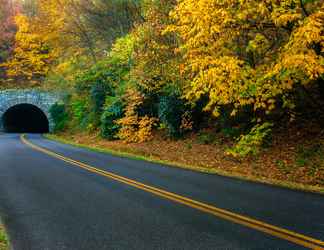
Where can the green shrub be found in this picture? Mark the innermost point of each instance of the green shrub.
(98, 74)
(4, 241)
(251, 143)
(231, 132)
(309, 155)
(79, 107)
(206, 138)
(171, 109)
(60, 116)
(114, 110)
(93, 86)
(108, 77)
(233, 126)
(98, 96)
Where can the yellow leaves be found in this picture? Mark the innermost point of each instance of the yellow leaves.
(246, 52)
(220, 79)
(31, 56)
(135, 128)
(157, 59)
(307, 64)
(299, 55)
(123, 48)
(285, 19)
(310, 32)
(146, 125)
(258, 45)
(286, 12)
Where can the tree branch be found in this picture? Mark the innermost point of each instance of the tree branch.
(305, 12)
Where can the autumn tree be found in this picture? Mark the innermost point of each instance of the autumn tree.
(156, 61)
(7, 29)
(32, 56)
(250, 53)
(118, 17)
(85, 27)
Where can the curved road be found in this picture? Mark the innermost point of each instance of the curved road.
(51, 197)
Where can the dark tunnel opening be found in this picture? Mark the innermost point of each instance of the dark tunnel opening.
(25, 118)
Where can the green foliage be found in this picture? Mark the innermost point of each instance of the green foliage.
(309, 155)
(122, 50)
(98, 96)
(60, 116)
(233, 126)
(156, 62)
(206, 138)
(231, 132)
(251, 143)
(4, 242)
(79, 112)
(188, 145)
(171, 109)
(113, 110)
(107, 78)
(283, 166)
(97, 75)
(111, 70)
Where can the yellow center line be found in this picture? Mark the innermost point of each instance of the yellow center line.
(278, 232)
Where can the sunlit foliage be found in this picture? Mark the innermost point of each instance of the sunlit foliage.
(134, 127)
(248, 52)
(31, 56)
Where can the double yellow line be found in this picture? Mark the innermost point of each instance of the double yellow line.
(278, 232)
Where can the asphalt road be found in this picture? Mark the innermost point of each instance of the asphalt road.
(48, 203)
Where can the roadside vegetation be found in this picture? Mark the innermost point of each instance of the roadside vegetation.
(240, 90)
(4, 244)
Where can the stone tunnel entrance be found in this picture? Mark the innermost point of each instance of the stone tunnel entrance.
(25, 118)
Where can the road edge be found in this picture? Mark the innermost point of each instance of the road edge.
(266, 181)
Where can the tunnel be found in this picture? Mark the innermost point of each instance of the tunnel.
(25, 118)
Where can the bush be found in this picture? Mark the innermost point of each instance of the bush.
(79, 108)
(98, 96)
(309, 155)
(171, 110)
(250, 143)
(59, 116)
(108, 77)
(206, 138)
(113, 111)
(97, 74)
(231, 132)
(135, 127)
(232, 126)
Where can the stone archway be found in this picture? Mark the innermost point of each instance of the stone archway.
(40, 99)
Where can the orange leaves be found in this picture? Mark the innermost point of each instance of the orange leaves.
(135, 128)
